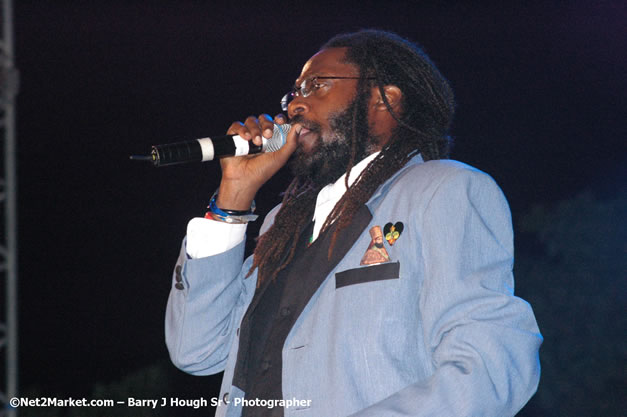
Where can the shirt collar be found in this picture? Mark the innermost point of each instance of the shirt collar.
(335, 191)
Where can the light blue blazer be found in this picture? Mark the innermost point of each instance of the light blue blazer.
(446, 337)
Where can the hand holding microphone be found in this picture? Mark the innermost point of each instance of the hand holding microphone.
(243, 176)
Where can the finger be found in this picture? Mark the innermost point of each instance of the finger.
(238, 128)
(291, 143)
(252, 123)
(267, 125)
(280, 119)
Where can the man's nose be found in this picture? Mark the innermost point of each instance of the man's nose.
(298, 106)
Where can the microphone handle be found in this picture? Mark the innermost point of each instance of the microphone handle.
(207, 149)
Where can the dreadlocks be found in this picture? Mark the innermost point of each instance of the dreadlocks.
(382, 58)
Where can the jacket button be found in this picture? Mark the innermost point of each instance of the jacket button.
(225, 398)
(178, 276)
(179, 286)
(285, 311)
(265, 365)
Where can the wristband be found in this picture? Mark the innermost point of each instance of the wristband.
(229, 216)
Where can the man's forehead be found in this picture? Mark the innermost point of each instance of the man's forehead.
(329, 61)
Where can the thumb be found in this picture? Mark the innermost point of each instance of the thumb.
(291, 143)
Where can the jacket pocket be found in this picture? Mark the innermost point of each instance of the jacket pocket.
(377, 272)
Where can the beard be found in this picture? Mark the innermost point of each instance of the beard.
(329, 159)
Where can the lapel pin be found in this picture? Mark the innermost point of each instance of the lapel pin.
(393, 232)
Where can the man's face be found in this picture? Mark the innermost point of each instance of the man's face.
(326, 117)
(332, 98)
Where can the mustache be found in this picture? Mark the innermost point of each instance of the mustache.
(307, 124)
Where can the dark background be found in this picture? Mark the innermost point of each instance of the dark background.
(541, 107)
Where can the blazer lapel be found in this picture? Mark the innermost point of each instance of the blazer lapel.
(305, 274)
(313, 267)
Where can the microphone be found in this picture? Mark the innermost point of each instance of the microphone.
(208, 149)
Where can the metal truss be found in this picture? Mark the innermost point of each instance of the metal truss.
(8, 204)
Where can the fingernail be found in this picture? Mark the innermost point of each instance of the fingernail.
(258, 138)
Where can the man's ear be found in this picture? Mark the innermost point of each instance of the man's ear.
(393, 94)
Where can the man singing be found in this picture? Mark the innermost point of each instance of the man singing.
(382, 285)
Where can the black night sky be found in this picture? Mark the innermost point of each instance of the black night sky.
(540, 91)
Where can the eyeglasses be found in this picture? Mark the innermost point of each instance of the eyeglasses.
(308, 87)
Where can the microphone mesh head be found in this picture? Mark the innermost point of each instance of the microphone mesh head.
(278, 139)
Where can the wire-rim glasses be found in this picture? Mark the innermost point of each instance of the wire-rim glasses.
(308, 87)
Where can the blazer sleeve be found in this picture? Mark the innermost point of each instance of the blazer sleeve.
(207, 299)
(483, 340)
